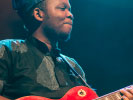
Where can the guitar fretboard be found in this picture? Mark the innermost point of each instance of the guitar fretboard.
(112, 96)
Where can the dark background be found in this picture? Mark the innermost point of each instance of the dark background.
(101, 40)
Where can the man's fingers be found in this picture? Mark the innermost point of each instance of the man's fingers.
(124, 98)
(127, 93)
(130, 90)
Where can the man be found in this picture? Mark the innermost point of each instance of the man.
(35, 66)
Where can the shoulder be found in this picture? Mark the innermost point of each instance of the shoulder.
(12, 44)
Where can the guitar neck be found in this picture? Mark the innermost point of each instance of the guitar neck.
(112, 96)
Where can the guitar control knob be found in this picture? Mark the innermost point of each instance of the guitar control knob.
(81, 93)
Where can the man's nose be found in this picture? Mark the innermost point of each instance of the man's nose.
(70, 15)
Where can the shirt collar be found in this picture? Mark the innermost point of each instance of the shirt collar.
(43, 47)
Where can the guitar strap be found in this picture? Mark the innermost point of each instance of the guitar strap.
(74, 71)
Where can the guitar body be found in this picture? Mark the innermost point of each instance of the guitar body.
(76, 93)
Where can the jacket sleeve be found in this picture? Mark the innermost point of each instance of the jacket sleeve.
(4, 64)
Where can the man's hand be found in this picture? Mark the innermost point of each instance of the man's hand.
(127, 93)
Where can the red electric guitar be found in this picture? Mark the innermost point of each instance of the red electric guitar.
(79, 93)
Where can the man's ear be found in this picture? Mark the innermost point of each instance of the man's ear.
(38, 14)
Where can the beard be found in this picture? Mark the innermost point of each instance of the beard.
(56, 35)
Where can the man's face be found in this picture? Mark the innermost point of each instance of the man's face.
(59, 19)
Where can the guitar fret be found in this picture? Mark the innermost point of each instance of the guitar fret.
(115, 96)
(118, 96)
(102, 98)
(111, 96)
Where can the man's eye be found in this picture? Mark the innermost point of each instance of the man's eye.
(62, 8)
